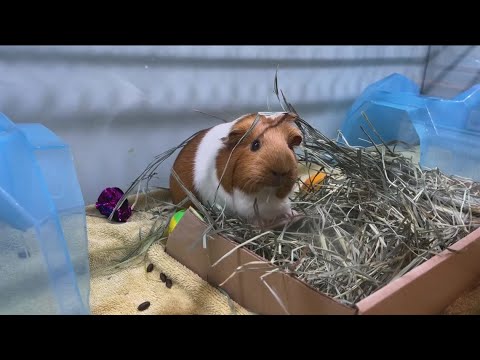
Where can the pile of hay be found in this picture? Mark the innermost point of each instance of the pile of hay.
(376, 215)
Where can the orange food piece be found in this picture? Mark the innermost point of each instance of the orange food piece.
(313, 182)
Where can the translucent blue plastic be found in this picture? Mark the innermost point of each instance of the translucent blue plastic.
(44, 266)
(448, 130)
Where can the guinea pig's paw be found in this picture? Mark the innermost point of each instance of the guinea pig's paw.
(275, 223)
(281, 220)
(288, 215)
(263, 224)
(294, 213)
(289, 218)
(257, 223)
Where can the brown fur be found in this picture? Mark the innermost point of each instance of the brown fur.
(248, 170)
(183, 166)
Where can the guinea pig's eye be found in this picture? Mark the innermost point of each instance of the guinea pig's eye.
(255, 145)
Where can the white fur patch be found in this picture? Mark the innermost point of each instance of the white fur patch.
(269, 206)
(272, 115)
(205, 177)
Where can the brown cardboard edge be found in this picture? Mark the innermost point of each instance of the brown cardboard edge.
(432, 286)
(296, 297)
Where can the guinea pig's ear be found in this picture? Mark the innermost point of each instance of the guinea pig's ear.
(291, 116)
(233, 137)
(295, 138)
(296, 141)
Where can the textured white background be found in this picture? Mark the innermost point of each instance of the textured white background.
(118, 107)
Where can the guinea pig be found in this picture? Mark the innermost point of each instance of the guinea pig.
(253, 172)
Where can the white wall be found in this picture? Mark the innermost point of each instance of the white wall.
(118, 107)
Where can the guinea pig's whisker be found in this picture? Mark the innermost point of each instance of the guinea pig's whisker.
(245, 185)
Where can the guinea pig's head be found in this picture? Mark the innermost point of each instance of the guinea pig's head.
(265, 157)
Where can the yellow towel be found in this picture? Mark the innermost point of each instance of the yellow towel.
(123, 291)
(467, 304)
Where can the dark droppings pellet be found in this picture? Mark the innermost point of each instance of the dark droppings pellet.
(163, 277)
(168, 283)
(150, 268)
(144, 306)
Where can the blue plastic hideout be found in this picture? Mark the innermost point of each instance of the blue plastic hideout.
(448, 130)
(44, 267)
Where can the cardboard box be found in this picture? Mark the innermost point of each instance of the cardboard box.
(427, 289)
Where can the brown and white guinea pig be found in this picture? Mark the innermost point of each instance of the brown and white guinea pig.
(262, 168)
